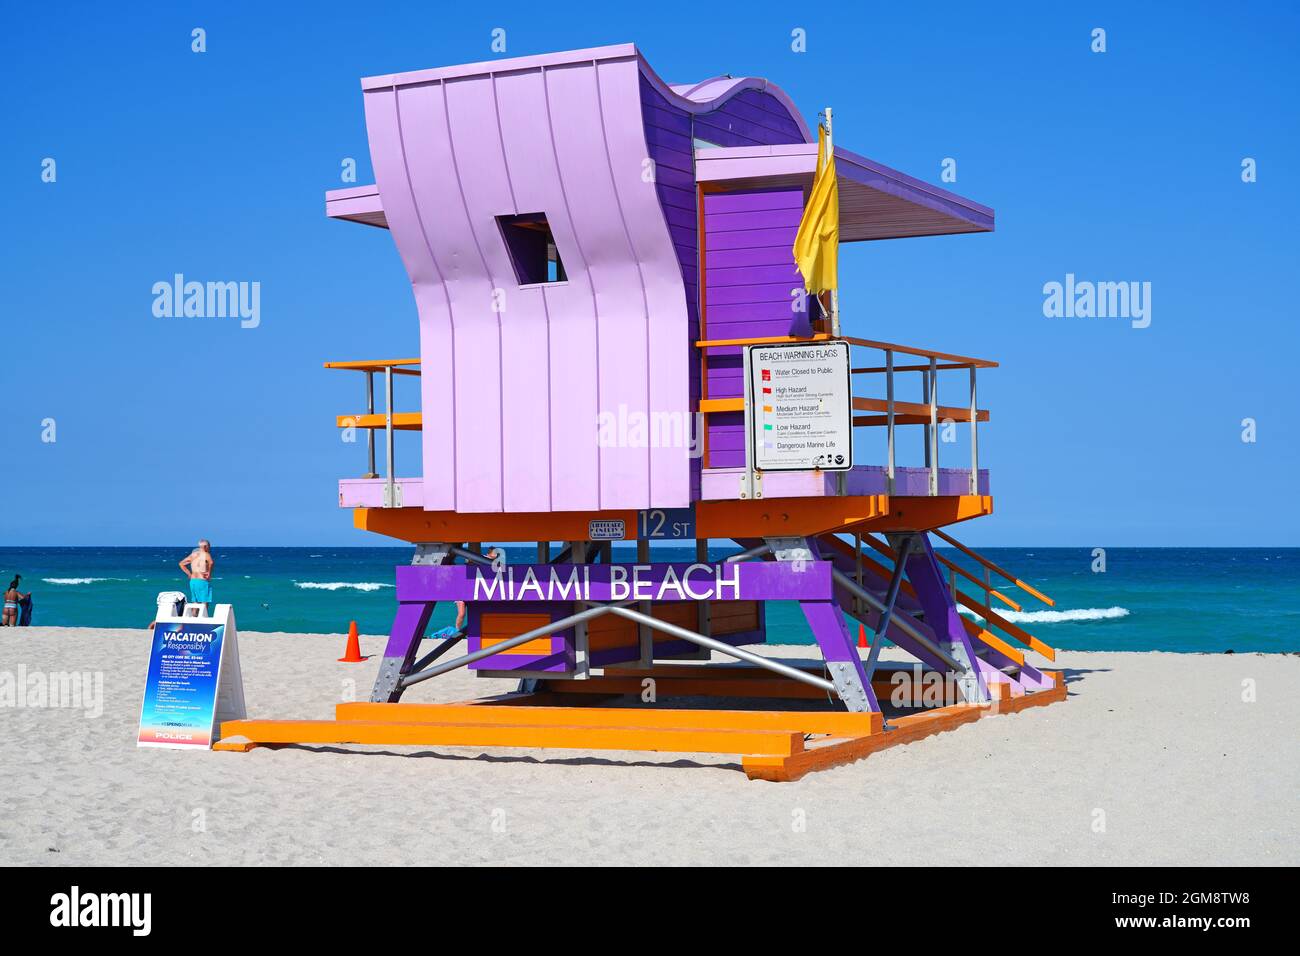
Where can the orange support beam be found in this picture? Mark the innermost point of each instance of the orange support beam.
(402, 421)
(415, 524)
(560, 736)
(907, 730)
(804, 722)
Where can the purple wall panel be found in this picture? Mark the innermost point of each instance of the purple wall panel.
(749, 294)
(751, 219)
(679, 203)
(748, 239)
(752, 256)
(749, 200)
(749, 280)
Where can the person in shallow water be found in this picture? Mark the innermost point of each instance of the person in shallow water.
(458, 629)
(198, 565)
(13, 599)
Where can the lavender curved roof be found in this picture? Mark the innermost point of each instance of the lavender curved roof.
(517, 377)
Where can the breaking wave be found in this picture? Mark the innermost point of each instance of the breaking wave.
(340, 585)
(78, 580)
(1060, 617)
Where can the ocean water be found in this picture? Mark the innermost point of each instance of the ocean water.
(1167, 599)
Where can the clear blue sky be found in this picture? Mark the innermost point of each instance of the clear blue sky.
(1117, 166)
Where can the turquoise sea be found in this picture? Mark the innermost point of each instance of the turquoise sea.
(1168, 599)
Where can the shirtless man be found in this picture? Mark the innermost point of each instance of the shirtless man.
(197, 565)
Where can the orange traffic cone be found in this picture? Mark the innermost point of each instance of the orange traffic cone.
(862, 636)
(353, 654)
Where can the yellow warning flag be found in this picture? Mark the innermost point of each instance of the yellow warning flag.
(817, 244)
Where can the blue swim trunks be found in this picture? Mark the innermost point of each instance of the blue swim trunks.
(200, 591)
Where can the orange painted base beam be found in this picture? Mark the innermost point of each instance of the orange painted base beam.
(838, 723)
(906, 730)
(557, 735)
(773, 745)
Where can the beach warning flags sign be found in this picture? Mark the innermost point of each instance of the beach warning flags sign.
(817, 243)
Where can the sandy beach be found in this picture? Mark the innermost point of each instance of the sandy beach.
(1155, 759)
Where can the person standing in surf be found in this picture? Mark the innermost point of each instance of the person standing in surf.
(198, 565)
(13, 599)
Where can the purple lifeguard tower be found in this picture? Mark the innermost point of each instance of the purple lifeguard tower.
(594, 255)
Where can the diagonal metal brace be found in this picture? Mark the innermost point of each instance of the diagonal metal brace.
(891, 597)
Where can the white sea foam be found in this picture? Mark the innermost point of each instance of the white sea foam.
(339, 585)
(1058, 617)
(78, 580)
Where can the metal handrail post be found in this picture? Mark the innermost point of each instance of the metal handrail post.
(370, 432)
(974, 438)
(889, 418)
(932, 430)
(390, 500)
(925, 400)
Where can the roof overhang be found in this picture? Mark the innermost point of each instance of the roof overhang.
(356, 204)
(876, 202)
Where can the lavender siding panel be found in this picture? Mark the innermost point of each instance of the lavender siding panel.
(622, 355)
(437, 384)
(435, 183)
(523, 438)
(529, 131)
